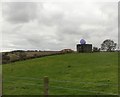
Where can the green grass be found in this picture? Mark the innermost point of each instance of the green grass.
(85, 73)
(0, 69)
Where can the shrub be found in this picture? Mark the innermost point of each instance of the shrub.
(22, 55)
(5, 59)
(95, 49)
(67, 51)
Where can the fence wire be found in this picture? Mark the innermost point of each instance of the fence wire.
(66, 81)
(65, 88)
(81, 90)
(26, 78)
(23, 83)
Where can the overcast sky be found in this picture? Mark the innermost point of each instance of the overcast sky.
(57, 25)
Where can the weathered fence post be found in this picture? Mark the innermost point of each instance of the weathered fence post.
(46, 82)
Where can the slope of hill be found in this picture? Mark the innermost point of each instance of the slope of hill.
(69, 74)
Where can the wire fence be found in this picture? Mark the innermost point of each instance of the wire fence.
(61, 87)
(65, 81)
(96, 83)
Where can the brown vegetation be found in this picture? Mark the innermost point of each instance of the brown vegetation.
(19, 55)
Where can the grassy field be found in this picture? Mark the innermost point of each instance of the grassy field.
(0, 76)
(69, 74)
(0, 69)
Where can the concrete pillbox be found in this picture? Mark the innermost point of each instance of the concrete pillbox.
(84, 47)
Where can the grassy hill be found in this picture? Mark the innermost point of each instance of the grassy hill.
(69, 74)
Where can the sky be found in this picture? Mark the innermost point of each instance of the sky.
(57, 25)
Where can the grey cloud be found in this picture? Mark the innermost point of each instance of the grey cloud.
(119, 24)
(40, 42)
(50, 19)
(60, 29)
(19, 12)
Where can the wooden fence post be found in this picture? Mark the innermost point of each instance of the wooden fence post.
(46, 82)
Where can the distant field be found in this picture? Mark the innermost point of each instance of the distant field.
(69, 74)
